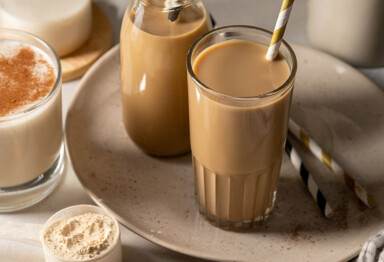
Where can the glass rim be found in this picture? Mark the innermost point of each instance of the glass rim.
(56, 58)
(206, 88)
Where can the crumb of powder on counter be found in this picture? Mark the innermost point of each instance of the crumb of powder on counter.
(80, 237)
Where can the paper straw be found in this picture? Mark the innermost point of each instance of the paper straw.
(311, 144)
(307, 178)
(279, 30)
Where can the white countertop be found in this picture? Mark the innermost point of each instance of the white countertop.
(261, 13)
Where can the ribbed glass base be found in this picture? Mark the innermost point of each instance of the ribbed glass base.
(236, 201)
(233, 225)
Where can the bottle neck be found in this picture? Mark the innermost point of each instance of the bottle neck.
(168, 4)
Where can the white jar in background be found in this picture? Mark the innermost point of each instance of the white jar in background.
(64, 24)
(352, 30)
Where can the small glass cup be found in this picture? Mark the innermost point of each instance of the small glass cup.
(31, 141)
(236, 172)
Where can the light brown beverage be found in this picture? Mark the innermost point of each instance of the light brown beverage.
(237, 144)
(154, 77)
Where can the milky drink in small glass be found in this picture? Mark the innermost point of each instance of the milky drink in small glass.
(239, 107)
(31, 137)
(154, 78)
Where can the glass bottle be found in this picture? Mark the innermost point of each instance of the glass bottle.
(155, 38)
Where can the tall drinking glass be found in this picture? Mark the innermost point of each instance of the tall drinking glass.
(237, 142)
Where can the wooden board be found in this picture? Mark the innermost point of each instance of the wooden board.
(77, 63)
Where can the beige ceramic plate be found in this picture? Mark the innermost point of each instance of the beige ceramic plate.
(154, 197)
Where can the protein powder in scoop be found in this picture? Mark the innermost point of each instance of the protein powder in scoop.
(81, 237)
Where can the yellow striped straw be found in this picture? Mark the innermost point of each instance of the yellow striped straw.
(279, 30)
(326, 159)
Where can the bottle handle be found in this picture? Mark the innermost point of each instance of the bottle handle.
(213, 21)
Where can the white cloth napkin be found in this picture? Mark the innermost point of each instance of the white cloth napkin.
(20, 241)
(14, 251)
(373, 249)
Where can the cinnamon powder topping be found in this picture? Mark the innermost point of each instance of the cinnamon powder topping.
(25, 78)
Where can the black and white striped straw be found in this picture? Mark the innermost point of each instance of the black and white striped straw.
(307, 178)
(325, 158)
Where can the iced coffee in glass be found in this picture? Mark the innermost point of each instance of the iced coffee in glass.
(238, 109)
(31, 136)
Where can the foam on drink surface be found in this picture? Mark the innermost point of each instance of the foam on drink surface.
(27, 75)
